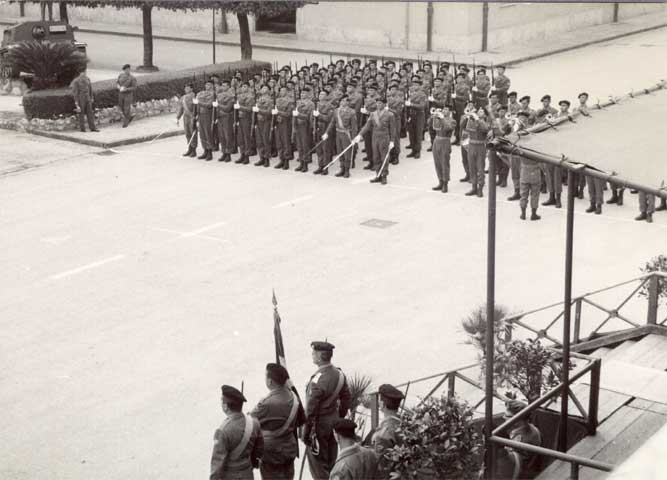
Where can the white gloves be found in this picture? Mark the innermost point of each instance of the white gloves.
(453, 95)
(356, 139)
(195, 101)
(316, 113)
(363, 110)
(474, 89)
(325, 136)
(274, 111)
(237, 106)
(431, 99)
(255, 109)
(215, 104)
(391, 145)
(295, 113)
(122, 89)
(408, 103)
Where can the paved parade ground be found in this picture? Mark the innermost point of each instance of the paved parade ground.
(135, 284)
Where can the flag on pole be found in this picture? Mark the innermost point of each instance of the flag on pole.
(277, 334)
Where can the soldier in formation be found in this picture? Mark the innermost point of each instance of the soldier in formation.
(126, 84)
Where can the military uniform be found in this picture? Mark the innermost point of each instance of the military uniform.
(438, 99)
(225, 111)
(442, 149)
(461, 98)
(304, 110)
(355, 463)
(327, 147)
(417, 112)
(263, 129)
(186, 109)
(530, 183)
(245, 100)
(382, 125)
(344, 121)
(385, 436)
(126, 96)
(205, 119)
(279, 414)
(396, 104)
(237, 443)
(369, 108)
(476, 131)
(284, 105)
(327, 400)
(553, 175)
(481, 91)
(82, 92)
(501, 86)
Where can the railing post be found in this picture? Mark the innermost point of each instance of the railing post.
(652, 315)
(429, 27)
(615, 16)
(577, 321)
(375, 410)
(593, 397)
(574, 471)
(22, 9)
(451, 385)
(485, 26)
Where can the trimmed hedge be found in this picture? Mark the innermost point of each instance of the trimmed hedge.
(155, 86)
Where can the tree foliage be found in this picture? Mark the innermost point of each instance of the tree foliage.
(656, 264)
(436, 440)
(53, 65)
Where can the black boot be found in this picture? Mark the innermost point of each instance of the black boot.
(472, 192)
(187, 154)
(347, 172)
(286, 165)
(305, 167)
(620, 197)
(438, 186)
(222, 158)
(550, 201)
(325, 172)
(663, 205)
(649, 217)
(558, 204)
(465, 179)
(444, 187)
(383, 179)
(480, 192)
(203, 155)
(417, 155)
(318, 171)
(267, 162)
(193, 153)
(642, 216)
(340, 173)
(369, 166)
(591, 209)
(281, 164)
(300, 167)
(241, 159)
(375, 180)
(614, 197)
(209, 155)
(534, 215)
(516, 196)
(259, 162)
(598, 209)
(523, 213)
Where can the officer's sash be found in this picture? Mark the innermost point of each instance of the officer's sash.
(269, 434)
(331, 399)
(247, 432)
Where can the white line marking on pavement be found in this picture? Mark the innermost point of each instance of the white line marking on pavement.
(293, 201)
(83, 268)
(194, 233)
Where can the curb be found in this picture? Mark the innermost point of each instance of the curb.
(105, 145)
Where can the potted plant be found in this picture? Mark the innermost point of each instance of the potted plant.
(436, 441)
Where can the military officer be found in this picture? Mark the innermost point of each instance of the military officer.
(553, 175)
(279, 414)
(513, 106)
(437, 99)
(530, 180)
(204, 101)
(396, 105)
(595, 194)
(444, 126)
(460, 97)
(646, 206)
(303, 117)
(477, 127)
(225, 111)
(327, 401)
(283, 114)
(126, 85)
(186, 109)
(520, 122)
(564, 108)
(385, 436)
(322, 118)
(82, 92)
(238, 443)
(428, 76)
(354, 462)
(367, 109)
(416, 104)
(245, 101)
(262, 110)
(481, 88)
(382, 125)
(501, 127)
(215, 137)
(344, 122)
(502, 84)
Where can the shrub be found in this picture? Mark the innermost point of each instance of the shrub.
(436, 440)
(156, 86)
(53, 65)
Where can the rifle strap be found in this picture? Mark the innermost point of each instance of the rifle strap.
(269, 434)
(247, 431)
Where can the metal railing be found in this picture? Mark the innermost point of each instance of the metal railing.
(609, 313)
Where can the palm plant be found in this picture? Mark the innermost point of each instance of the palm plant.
(358, 385)
(53, 65)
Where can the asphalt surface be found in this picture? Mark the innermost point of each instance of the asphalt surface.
(134, 284)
